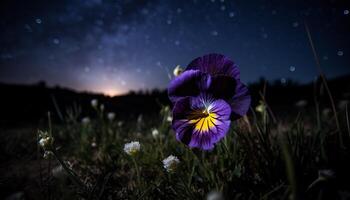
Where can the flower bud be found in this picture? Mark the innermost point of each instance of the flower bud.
(178, 70)
(46, 142)
(261, 107)
(155, 133)
(169, 118)
(94, 103)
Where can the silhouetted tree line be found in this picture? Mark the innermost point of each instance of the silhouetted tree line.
(30, 103)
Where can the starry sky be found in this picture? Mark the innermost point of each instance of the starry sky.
(114, 46)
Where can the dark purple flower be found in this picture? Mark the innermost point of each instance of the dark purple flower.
(206, 96)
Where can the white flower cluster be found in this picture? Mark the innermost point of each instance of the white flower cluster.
(111, 116)
(170, 163)
(132, 148)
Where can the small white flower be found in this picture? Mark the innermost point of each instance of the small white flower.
(139, 119)
(111, 116)
(102, 107)
(155, 133)
(178, 70)
(42, 142)
(46, 142)
(132, 148)
(94, 103)
(260, 108)
(120, 123)
(169, 118)
(170, 163)
(93, 144)
(166, 109)
(214, 195)
(85, 120)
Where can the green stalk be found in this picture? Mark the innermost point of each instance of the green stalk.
(290, 170)
(70, 172)
(137, 171)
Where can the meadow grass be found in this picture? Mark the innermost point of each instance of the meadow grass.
(262, 157)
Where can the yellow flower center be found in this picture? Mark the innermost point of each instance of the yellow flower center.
(203, 120)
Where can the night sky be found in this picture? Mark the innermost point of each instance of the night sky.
(120, 45)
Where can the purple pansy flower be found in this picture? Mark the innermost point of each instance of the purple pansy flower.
(206, 97)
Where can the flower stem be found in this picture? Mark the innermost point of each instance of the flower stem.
(70, 172)
(137, 171)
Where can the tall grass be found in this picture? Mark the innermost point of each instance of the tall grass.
(262, 157)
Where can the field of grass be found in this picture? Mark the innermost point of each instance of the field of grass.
(262, 157)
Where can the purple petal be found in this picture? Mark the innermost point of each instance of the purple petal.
(215, 64)
(183, 131)
(189, 83)
(181, 110)
(199, 130)
(240, 102)
(233, 91)
(222, 87)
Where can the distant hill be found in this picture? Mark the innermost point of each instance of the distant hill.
(30, 103)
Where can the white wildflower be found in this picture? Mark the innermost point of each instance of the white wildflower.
(214, 195)
(42, 142)
(111, 116)
(132, 148)
(102, 107)
(93, 144)
(120, 123)
(178, 70)
(94, 103)
(139, 119)
(169, 118)
(85, 120)
(46, 142)
(170, 163)
(155, 133)
(261, 107)
(166, 109)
